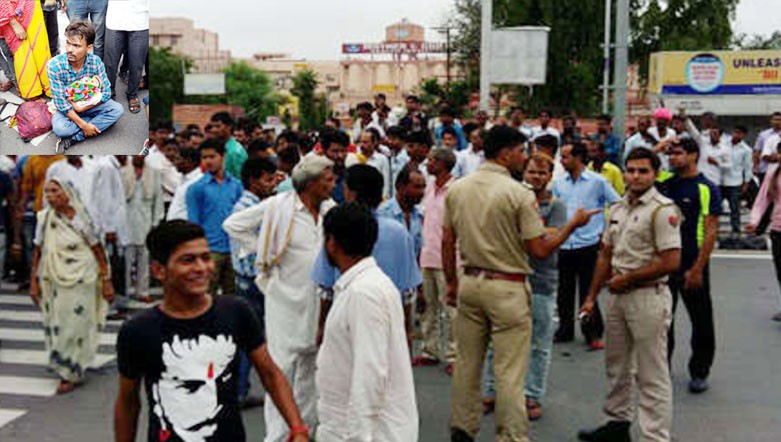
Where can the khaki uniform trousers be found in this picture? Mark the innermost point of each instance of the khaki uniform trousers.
(438, 318)
(636, 342)
(500, 311)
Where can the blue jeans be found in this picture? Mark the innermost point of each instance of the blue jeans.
(544, 323)
(732, 195)
(247, 289)
(102, 116)
(95, 10)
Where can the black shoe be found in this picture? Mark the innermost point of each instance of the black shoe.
(698, 385)
(63, 144)
(459, 435)
(613, 431)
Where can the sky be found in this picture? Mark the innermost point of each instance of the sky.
(315, 29)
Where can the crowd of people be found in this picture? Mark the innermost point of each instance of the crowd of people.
(101, 35)
(312, 257)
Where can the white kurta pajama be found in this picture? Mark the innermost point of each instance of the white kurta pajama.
(288, 244)
(364, 376)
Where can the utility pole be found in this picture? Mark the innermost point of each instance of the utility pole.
(621, 65)
(606, 67)
(485, 53)
(446, 29)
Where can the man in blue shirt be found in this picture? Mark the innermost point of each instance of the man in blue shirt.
(580, 188)
(410, 189)
(447, 117)
(75, 121)
(334, 144)
(393, 251)
(210, 201)
(605, 136)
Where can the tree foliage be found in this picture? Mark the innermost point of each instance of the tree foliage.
(304, 85)
(168, 78)
(575, 59)
(757, 42)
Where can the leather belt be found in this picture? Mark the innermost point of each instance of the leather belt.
(650, 284)
(491, 274)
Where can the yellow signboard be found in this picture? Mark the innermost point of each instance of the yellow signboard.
(715, 73)
(384, 88)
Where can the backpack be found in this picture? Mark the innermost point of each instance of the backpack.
(33, 119)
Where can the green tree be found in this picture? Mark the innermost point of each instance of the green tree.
(679, 25)
(167, 74)
(304, 85)
(757, 42)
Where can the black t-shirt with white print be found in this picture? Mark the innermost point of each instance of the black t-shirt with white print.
(190, 369)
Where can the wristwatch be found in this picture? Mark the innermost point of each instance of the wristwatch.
(297, 431)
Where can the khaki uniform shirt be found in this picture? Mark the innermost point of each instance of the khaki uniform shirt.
(638, 232)
(492, 215)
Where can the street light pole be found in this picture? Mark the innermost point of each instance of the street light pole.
(606, 66)
(621, 65)
(485, 52)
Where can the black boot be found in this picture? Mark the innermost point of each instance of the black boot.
(613, 431)
(459, 435)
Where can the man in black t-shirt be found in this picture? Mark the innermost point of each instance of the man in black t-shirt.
(186, 351)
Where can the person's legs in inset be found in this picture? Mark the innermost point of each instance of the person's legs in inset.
(116, 44)
(651, 314)
(138, 47)
(508, 307)
(98, 17)
(64, 127)
(53, 31)
(76, 10)
(103, 116)
(472, 333)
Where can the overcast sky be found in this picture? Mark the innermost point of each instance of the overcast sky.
(315, 29)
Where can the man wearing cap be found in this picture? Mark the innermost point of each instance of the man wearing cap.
(289, 239)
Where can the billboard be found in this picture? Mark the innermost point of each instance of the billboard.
(519, 55)
(716, 73)
(204, 84)
(404, 47)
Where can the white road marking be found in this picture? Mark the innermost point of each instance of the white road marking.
(22, 334)
(40, 357)
(9, 414)
(28, 386)
(32, 316)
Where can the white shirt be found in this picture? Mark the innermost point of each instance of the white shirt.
(539, 131)
(759, 146)
(171, 178)
(178, 207)
(379, 162)
(358, 129)
(364, 376)
(108, 200)
(635, 141)
(742, 170)
(143, 213)
(467, 161)
(663, 158)
(723, 156)
(770, 145)
(128, 15)
(292, 305)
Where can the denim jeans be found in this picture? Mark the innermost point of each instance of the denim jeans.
(247, 289)
(544, 323)
(135, 44)
(7, 61)
(102, 116)
(95, 10)
(732, 195)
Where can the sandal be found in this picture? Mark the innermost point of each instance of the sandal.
(134, 105)
(65, 387)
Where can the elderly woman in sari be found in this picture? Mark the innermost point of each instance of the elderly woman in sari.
(70, 283)
(24, 31)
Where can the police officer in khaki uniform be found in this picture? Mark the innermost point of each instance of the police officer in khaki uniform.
(640, 247)
(495, 221)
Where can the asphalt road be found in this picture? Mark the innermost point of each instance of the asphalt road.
(127, 136)
(744, 403)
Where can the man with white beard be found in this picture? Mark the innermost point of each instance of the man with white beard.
(289, 240)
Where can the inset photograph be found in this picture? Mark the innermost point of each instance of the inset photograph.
(73, 77)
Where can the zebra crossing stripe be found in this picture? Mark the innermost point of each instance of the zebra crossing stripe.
(40, 357)
(9, 414)
(23, 334)
(28, 386)
(32, 316)
(16, 300)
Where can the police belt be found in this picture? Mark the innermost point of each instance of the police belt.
(491, 274)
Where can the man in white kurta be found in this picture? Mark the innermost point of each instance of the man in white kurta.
(364, 375)
(287, 247)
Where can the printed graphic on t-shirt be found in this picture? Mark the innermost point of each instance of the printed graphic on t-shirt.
(185, 397)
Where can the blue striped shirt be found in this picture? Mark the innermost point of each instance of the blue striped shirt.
(244, 266)
(62, 75)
